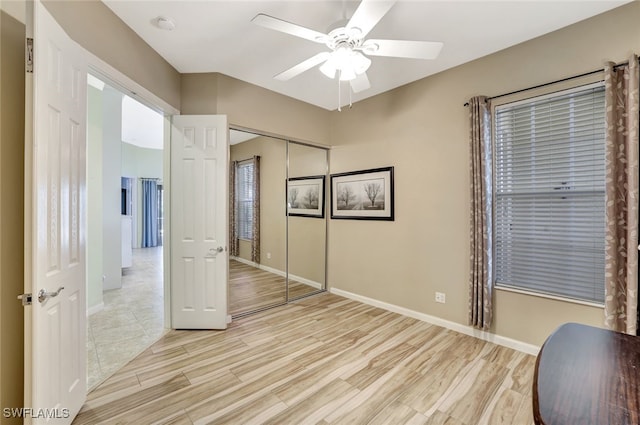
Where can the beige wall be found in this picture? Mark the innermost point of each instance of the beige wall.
(12, 106)
(253, 107)
(421, 129)
(96, 28)
(199, 93)
(273, 172)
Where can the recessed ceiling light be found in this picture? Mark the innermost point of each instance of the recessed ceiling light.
(166, 24)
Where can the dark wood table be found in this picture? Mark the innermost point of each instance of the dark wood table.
(587, 375)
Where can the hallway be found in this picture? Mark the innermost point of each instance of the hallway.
(132, 318)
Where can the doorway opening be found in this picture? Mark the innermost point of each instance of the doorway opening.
(125, 273)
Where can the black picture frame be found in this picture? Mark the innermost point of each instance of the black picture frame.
(363, 195)
(305, 196)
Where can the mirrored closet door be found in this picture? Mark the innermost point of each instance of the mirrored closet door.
(277, 247)
(257, 262)
(306, 221)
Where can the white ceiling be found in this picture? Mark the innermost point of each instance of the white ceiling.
(141, 125)
(217, 36)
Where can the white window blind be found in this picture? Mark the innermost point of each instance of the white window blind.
(244, 199)
(550, 194)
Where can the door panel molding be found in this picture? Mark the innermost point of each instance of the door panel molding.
(199, 199)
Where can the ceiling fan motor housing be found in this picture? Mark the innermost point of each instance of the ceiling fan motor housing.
(343, 37)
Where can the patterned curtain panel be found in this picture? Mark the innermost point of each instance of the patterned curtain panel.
(621, 243)
(149, 213)
(255, 241)
(481, 276)
(234, 246)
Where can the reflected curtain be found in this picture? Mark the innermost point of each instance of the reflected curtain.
(255, 240)
(234, 246)
(149, 213)
(481, 270)
(621, 186)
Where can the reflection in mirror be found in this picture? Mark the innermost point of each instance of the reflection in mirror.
(306, 242)
(257, 221)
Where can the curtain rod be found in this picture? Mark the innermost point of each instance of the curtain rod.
(554, 82)
(246, 160)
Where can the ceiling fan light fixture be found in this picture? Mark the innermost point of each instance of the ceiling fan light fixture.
(328, 70)
(347, 74)
(349, 63)
(330, 67)
(360, 62)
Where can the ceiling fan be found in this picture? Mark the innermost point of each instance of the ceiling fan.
(347, 44)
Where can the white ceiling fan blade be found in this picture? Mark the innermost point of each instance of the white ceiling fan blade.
(368, 14)
(360, 83)
(288, 28)
(402, 48)
(303, 66)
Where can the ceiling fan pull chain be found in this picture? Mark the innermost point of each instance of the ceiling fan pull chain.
(339, 97)
(350, 99)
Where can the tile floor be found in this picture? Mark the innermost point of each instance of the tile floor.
(132, 318)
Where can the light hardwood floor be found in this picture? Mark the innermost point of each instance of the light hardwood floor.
(251, 288)
(320, 360)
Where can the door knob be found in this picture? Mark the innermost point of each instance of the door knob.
(216, 251)
(44, 295)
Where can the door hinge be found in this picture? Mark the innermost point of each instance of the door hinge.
(26, 299)
(29, 55)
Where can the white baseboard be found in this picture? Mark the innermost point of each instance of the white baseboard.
(96, 308)
(464, 329)
(240, 259)
(278, 272)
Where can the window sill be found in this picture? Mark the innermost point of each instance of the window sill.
(550, 297)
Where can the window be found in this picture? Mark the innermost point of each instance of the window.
(549, 158)
(244, 198)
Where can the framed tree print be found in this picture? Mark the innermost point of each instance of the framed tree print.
(305, 196)
(363, 195)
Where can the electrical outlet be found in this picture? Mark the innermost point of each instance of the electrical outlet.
(440, 297)
(268, 256)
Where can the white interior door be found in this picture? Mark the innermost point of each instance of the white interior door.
(55, 347)
(199, 176)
